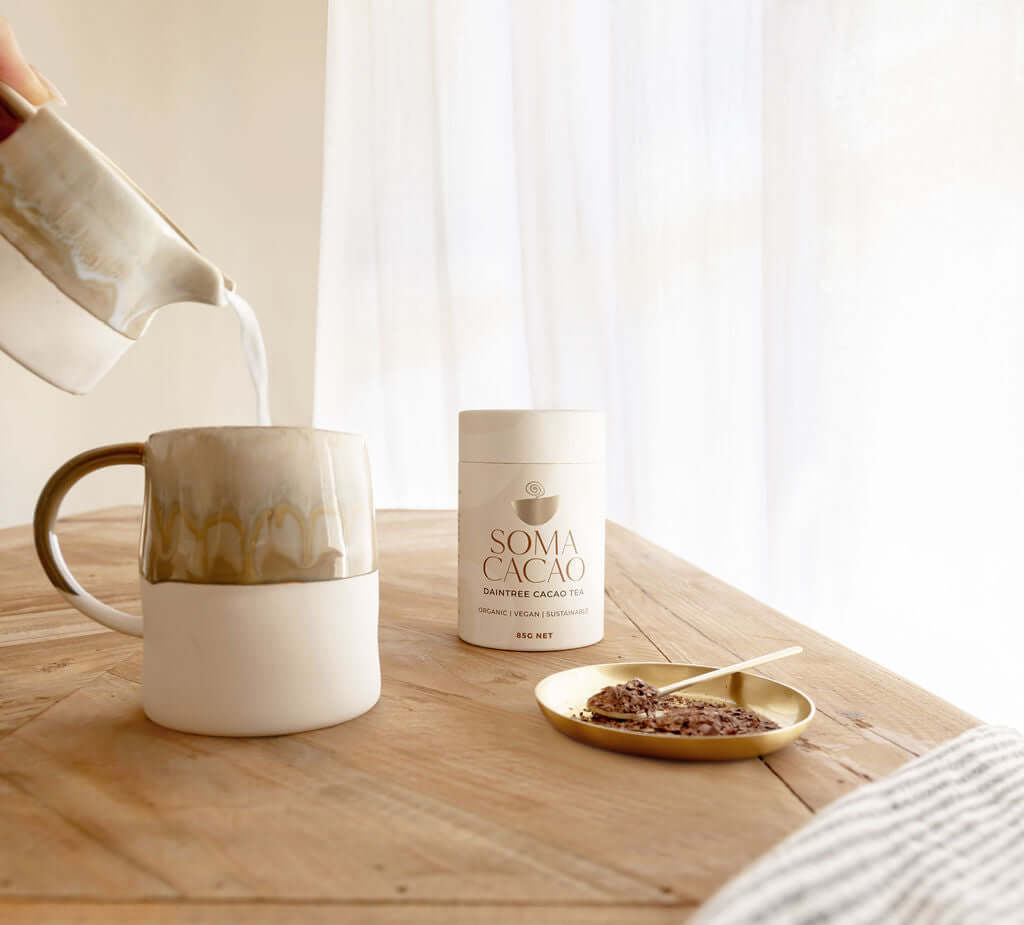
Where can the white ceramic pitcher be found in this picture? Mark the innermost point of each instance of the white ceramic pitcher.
(86, 257)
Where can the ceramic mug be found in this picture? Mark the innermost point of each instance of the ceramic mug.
(258, 569)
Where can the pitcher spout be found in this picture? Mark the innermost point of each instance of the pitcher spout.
(176, 273)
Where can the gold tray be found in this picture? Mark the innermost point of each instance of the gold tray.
(565, 693)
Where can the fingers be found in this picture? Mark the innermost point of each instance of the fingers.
(18, 74)
(55, 95)
(8, 124)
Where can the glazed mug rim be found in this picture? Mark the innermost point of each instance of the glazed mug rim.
(222, 428)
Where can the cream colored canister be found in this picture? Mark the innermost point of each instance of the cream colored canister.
(531, 528)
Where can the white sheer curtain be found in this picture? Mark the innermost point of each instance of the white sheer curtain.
(778, 242)
(894, 320)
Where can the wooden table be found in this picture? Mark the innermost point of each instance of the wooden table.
(452, 801)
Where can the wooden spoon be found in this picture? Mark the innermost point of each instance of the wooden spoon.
(708, 676)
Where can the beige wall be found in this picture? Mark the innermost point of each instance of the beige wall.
(215, 109)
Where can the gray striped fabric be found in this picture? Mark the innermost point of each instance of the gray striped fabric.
(939, 841)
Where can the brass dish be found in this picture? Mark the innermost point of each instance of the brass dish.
(564, 694)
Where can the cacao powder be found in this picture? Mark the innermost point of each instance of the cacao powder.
(670, 714)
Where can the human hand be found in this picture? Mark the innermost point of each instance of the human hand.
(20, 76)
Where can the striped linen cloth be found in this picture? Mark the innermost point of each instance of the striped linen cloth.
(939, 841)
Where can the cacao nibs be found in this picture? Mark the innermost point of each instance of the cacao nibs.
(634, 696)
(672, 715)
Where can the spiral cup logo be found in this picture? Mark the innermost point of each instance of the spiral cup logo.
(535, 489)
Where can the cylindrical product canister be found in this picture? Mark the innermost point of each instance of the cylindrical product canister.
(531, 528)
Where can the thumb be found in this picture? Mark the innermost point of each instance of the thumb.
(18, 74)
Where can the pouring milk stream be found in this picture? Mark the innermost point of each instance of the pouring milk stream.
(87, 258)
(255, 354)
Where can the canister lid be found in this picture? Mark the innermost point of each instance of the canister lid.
(531, 436)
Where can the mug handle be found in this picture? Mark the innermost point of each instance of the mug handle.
(48, 549)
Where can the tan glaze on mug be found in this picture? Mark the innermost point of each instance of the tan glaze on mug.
(86, 257)
(259, 584)
(253, 505)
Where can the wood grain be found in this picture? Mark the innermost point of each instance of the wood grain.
(451, 801)
(331, 913)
